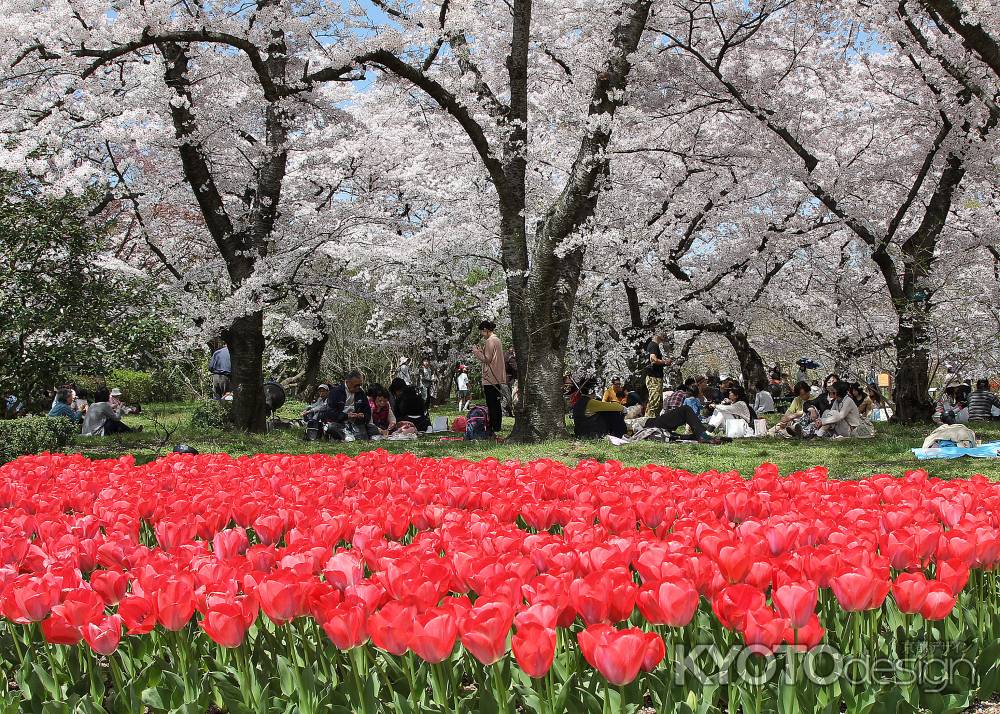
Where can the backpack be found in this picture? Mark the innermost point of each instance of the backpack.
(477, 423)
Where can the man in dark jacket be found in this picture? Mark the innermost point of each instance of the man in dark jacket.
(347, 409)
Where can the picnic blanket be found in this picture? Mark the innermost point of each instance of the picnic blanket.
(983, 451)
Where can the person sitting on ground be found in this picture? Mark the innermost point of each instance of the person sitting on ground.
(408, 406)
(857, 392)
(693, 399)
(62, 407)
(763, 402)
(102, 419)
(734, 408)
(593, 418)
(616, 392)
(865, 429)
(463, 388)
(673, 419)
(317, 407)
(674, 398)
(842, 419)
(382, 416)
(982, 402)
(824, 400)
(347, 409)
(789, 425)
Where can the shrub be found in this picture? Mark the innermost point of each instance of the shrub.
(211, 414)
(137, 387)
(31, 435)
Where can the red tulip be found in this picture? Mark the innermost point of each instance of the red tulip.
(807, 637)
(58, 630)
(82, 605)
(796, 603)
(230, 543)
(175, 604)
(434, 635)
(655, 652)
(534, 649)
(30, 598)
(109, 584)
(225, 623)
(484, 629)
(343, 570)
(668, 603)
(859, 590)
(734, 562)
(392, 627)
(281, 597)
(909, 591)
(103, 636)
(347, 624)
(732, 603)
(763, 629)
(604, 596)
(954, 574)
(617, 654)
(138, 612)
(939, 602)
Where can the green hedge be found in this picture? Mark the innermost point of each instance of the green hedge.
(32, 435)
(137, 387)
(211, 414)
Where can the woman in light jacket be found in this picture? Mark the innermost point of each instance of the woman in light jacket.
(843, 417)
(733, 408)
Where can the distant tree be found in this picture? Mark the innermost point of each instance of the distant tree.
(64, 307)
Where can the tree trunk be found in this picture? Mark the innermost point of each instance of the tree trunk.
(751, 364)
(245, 338)
(912, 402)
(445, 381)
(313, 361)
(540, 412)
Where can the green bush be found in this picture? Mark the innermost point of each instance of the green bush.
(137, 387)
(32, 435)
(87, 383)
(211, 415)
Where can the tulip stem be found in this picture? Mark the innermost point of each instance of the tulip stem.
(411, 679)
(607, 698)
(55, 670)
(499, 692)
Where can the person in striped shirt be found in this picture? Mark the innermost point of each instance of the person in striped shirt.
(982, 402)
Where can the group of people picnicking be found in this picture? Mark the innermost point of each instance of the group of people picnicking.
(99, 416)
(961, 404)
(711, 409)
(351, 411)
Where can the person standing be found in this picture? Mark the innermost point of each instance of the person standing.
(404, 371)
(221, 367)
(654, 375)
(427, 380)
(463, 388)
(490, 354)
(509, 390)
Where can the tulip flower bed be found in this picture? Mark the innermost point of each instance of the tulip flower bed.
(390, 583)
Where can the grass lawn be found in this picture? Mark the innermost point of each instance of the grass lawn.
(889, 452)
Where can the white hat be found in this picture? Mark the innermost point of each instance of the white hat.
(403, 360)
(116, 392)
(323, 386)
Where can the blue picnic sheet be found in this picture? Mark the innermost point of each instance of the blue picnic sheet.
(983, 451)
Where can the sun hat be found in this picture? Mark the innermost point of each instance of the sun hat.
(403, 360)
(116, 392)
(323, 386)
